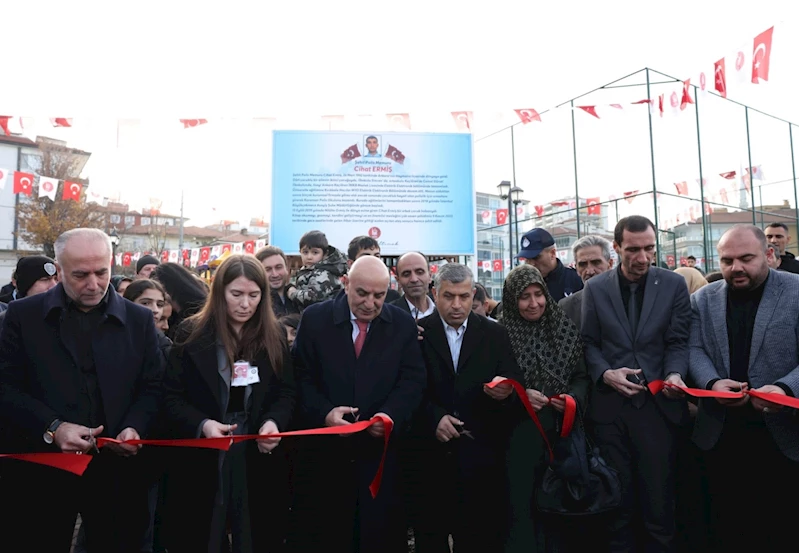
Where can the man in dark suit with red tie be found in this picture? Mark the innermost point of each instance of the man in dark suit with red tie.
(355, 357)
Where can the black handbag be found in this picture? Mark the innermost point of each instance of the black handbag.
(578, 481)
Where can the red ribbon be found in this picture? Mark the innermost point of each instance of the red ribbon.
(779, 399)
(77, 463)
(569, 414)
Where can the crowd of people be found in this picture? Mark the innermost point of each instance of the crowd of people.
(599, 448)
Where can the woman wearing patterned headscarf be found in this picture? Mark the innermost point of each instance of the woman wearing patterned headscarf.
(549, 351)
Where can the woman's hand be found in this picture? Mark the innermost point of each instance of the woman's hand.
(559, 403)
(216, 429)
(267, 445)
(537, 399)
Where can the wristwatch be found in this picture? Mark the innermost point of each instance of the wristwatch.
(49, 434)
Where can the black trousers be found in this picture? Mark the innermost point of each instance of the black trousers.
(753, 487)
(640, 444)
(112, 497)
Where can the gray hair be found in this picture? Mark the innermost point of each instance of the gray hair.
(454, 273)
(590, 241)
(87, 233)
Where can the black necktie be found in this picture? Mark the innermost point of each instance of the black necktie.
(632, 309)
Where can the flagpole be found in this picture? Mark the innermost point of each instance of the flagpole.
(654, 180)
(793, 170)
(576, 187)
(705, 223)
(749, 155)
(180, 239)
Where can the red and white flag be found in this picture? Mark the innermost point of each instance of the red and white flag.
(702, 83)
(61, 122)
(741, 71)
(238, 247)
(72, 191)
(682, 188)
(48, 187)
(259, 244)
(502, 216)
(463, 120)
(723, 196)
(249, 247)
(173, 256)
(4, 178)
(594, 207)
(165, 256)
(528, 115)
(756, 172)
(539, 210)
(4, 119)
(729, 175)
(761, 56)
(126, 259)
(686, 95)
(23, 183)
(630, 196)
(226, 248)
(399, 120)
(486, 216)
(497, 265)
(350, 153)
(188, 123)
(591, 110)
(720, 78)
(205, 255)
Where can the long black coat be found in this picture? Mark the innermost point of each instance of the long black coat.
(335, 511)
(192, 394)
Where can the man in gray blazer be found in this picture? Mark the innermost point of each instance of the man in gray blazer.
(635, 325)
(591, 258)
(748, 440)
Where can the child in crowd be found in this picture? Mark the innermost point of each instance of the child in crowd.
(290, 324)
(319, 279)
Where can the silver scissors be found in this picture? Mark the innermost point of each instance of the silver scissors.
(463, 432)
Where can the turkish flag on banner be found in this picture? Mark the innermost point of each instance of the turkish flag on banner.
(661, 99)
(71, 191)
(165, 256)
(126, 259)
(630, 196)
(249, 246)
(61, 122)
(226, 248)
(539, 210)
(193, 122)
(502, 216)
(195, 256)
(3, 178)
(761, 56)
(47, 188)
(485, 216)
(4, 123)
(394, 155)
(728, 175)
(238, 247)
(720, 78)
(593, 206)
(350, 153)
(205, 255)
(173, 256)
(589, 109)
(23, 183)
(497, 265)
(399, 120)
(136, 257)
(702, 82)
(260, 244)
(741, 73)
(682, 188)
(686, 94)
(463, 120)
(433, 269)
(528, 115)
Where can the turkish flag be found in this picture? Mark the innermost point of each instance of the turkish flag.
(728, 175)
(165, 256)
(686, 94)
(589, 109)
(394, 155)
(4, 124)
(350, 153)
(463, 120)
(249, 246)
(193, 122)
(23, 183)
(433, 269)
(205, 255)
(761, 56)
(126, 259)
(3, 178)
(226, 248)
(539, 210)
(486, 216)
(630, 196)
(497, 265)
(720, 78)
(502, 216)
(61, 122)
(71, 191)
(399, 120)
(682, 188)
(593, 206)
(528, 115)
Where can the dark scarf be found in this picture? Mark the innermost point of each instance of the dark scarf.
(547, 350)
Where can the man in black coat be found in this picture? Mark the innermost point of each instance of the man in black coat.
(463, 427)
(355, 357)
(76, 363)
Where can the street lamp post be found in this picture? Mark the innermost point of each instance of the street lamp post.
(504, 193)
(516, 195)
(114, 243)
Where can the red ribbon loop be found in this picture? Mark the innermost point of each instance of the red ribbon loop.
(778, 399)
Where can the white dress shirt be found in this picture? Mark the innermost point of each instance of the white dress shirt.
(355, 329)
(416, 314)
(455, 340)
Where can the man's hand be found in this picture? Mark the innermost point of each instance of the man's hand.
(446, 430)
(559, 403)
(537, 399)
(126, 450)
(421, 332)
(764, 405)
(267, 445)
(378, 429)
(500, 392)
(216, 429)
(617, 379)
(336, 417)
(75, 438)
(727, 385)
(670, 391)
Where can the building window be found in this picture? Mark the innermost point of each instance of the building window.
(115, 219)
(145, 220)
(482, 201)
(130, 220)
